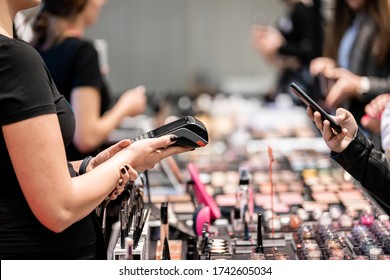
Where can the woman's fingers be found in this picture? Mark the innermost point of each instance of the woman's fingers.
(127, 173)
(163, 141)
(173, 150)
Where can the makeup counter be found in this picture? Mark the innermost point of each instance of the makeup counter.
(263, 188)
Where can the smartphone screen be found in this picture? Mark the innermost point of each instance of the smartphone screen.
(310, 102)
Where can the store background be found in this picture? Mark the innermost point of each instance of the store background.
(164, 44)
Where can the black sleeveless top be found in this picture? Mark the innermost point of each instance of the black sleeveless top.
(27, 90)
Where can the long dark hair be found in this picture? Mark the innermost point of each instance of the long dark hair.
(46, 26)
(378, 10)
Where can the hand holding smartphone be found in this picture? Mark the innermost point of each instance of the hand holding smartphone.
(315, 107)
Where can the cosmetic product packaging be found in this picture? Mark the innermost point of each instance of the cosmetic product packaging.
(259, 244)
(247, 235)
(257, 256)
(243, 191)
(374, 253)
(366, 218)
(237, 222)
(192, 248)
(345, 221)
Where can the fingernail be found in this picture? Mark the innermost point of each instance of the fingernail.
(173, 138)
(123, 170)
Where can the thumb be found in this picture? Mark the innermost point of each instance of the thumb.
(120, 145)
(163, 141)
(341, 113)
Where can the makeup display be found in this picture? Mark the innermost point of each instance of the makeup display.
(264, 188)
(310, 214)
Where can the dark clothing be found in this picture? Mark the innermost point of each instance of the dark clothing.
(303, 32)
(74, 63)
(369, 166)
(26, 91)
(302, 29)
(363, 63)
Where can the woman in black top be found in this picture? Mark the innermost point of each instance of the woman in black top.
(73, 63)
(45, 208)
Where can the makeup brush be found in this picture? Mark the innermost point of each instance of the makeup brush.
(259, 243)
(166, 255)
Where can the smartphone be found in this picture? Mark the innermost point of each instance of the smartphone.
(315, 107)
(190, 132)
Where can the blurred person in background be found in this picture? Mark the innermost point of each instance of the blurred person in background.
(377, 120)
(356, 61)
(59, 36)
(296, 39)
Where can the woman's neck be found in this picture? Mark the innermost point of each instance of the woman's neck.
(73, 33)
(73, 29)
(8, 32)
(6, 21)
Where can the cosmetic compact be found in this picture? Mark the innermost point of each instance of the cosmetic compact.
(216, 248)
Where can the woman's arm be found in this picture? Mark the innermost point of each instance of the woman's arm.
(102, 156)
(92, 129)
(56, 199)
(40, 165)
(367, 165)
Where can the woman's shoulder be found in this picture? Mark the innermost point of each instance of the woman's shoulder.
(18, 52)
(79, 44)
(14, 45)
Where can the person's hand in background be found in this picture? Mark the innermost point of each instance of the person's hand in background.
(133, 101)
(372, 119)
(321, 64)
(346, 85)
(267, 40)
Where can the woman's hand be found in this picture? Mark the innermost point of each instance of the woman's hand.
(372, 119)
(144, 154)
(346, 86)
(321, 64)
(108, 153)
(336, 142)
(127, 174)
(267, 40)
(133, 101)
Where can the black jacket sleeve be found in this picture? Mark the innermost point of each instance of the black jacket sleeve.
(368, 166)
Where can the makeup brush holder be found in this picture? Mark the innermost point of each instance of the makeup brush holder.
(141, 252)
